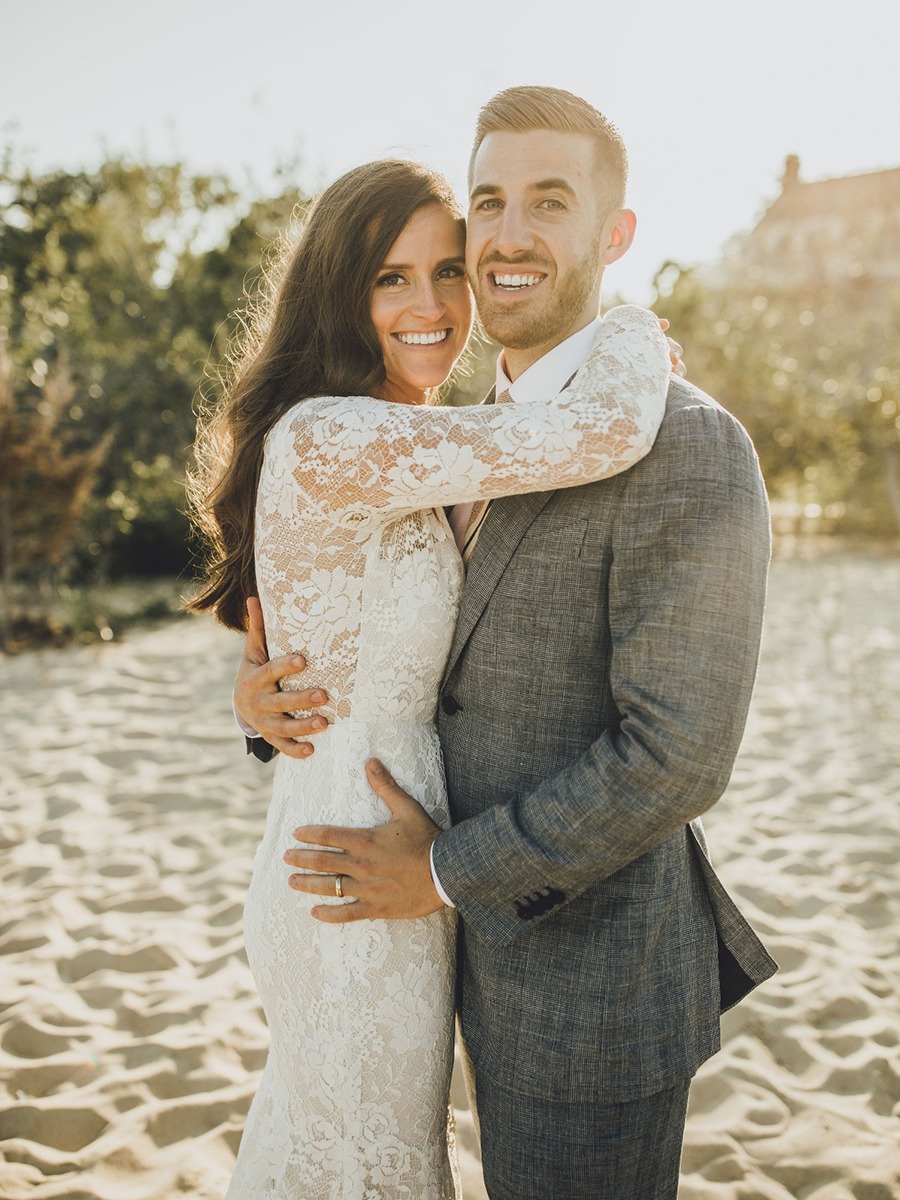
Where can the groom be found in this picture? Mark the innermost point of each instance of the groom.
(592, 707)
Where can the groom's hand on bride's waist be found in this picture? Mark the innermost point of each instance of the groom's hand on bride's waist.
(386, 870)
(259, 700)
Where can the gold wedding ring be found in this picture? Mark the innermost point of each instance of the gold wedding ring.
(339, 886)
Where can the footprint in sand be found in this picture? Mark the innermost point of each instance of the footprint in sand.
(145, 959)
(178, 1122)
(66, 1129)
(44, 1080)
(28, 1039)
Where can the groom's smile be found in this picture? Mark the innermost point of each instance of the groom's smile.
(506, 282)
(511, 286)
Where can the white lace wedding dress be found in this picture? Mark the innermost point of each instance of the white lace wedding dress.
(359, 571)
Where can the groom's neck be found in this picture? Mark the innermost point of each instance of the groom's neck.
(517, 361)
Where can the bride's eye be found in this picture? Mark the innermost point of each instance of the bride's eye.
(451, 273)
(391, 280)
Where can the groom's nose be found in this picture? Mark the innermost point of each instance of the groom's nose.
(513, 233)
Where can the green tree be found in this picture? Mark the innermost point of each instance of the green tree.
(43, 482)
(814, 375)
(133, 271)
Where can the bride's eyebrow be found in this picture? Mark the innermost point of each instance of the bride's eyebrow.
(445, 262)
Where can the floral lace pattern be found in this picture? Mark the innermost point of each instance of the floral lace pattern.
(359, 571)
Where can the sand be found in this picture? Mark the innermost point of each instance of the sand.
(130, 1033)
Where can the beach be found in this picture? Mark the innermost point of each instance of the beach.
(131, 1036)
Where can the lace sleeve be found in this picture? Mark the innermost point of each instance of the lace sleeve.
(357, 459)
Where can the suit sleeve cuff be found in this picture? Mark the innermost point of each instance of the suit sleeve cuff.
(246, 730)
(437, 883)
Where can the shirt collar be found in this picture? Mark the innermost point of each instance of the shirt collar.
(549, 375)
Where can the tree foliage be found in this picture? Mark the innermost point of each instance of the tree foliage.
(133, 273)
(121, 287)
(44, 484)
(814, 375)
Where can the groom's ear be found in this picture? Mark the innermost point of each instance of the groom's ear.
(620, 234)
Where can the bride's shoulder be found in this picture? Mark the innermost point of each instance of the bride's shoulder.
(314, 408)
(317, 414)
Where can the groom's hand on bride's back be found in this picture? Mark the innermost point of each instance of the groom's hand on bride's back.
(259, 700)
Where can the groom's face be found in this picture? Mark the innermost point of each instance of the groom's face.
(537, 231)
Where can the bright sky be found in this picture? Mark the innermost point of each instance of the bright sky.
(710, 96)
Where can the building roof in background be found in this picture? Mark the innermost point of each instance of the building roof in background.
(872, 189)
(826, 231)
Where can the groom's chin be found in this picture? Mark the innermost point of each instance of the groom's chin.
(514, 331)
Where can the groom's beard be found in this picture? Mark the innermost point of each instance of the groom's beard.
(543, 323)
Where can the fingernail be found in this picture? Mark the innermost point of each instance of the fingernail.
(297, 660)
(317, 697)
(375, 766)
(306, 751)
(319, 723)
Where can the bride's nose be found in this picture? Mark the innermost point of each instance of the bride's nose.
(427, 304)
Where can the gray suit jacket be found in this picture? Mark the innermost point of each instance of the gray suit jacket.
(592, 708)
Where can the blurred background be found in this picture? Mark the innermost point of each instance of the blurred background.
(152, 155)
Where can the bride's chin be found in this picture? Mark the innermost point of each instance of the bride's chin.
(428, 380)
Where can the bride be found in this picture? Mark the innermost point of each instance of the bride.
(323, 483)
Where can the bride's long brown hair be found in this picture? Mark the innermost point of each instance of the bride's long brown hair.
(311, 336)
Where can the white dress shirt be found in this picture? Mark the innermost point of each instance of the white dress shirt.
(543, 380)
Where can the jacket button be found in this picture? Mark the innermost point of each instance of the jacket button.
(450, 705)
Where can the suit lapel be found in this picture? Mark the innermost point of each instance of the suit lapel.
(503, 529)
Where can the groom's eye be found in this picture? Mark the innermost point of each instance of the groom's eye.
(487, 205)
(552, 204)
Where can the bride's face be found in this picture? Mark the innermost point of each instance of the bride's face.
(422, 305)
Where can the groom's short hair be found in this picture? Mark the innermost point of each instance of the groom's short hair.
(526, 109)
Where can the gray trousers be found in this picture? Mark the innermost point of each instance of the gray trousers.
(534, 1149)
